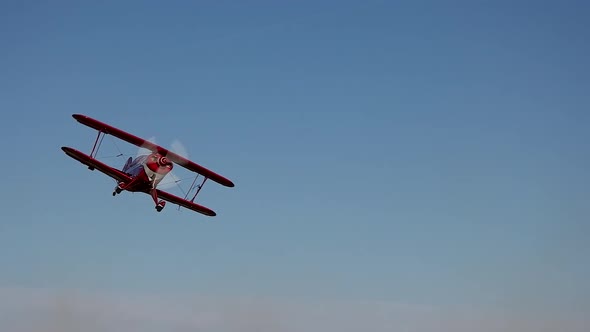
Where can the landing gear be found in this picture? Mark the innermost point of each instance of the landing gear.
(118, 189)
(160, 206)
(159, 203)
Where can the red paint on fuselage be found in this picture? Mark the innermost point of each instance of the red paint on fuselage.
(147, 171)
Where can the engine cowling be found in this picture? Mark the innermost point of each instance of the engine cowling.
(159, 164)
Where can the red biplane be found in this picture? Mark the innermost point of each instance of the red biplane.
(144, 173)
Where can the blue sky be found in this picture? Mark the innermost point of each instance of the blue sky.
(417, 154)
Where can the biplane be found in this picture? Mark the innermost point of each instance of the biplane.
(145, 172)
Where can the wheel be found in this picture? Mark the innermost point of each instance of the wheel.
(160, 206)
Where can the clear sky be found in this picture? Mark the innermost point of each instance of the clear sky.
(399, 166)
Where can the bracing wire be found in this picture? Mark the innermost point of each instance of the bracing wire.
(121, 154)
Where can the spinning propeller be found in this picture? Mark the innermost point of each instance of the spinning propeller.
(171, 180)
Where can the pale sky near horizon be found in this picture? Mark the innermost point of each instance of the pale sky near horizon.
(412, 166)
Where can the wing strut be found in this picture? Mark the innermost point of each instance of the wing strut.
(95, 148)
(198, 189)
(193, 186)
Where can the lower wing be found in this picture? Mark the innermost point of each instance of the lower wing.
(91, 162)
(184, 203)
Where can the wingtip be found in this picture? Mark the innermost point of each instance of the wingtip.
(78, 116)
(209, 213)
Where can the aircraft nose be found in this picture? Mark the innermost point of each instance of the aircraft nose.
(163, 161)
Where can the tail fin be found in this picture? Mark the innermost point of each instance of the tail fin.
(127, 164)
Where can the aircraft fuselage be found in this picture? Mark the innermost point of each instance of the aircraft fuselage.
(147, 171)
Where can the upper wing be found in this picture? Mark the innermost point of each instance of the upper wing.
(192, 166)
(91, 162)
(187, 204)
